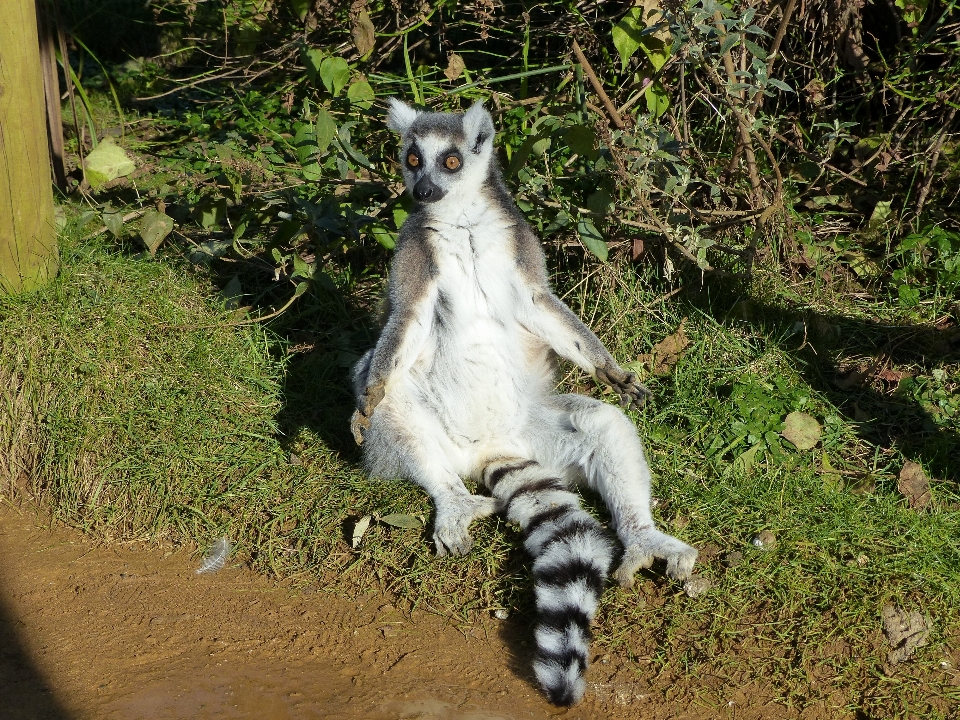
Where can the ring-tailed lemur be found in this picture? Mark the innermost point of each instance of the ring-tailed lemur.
(461, 384)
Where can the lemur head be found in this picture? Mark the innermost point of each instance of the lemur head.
(444, 156)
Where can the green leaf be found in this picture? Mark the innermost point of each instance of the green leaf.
(599, 202)
(780, 85)
(802, 430)
(301, 8)
(402, 521)
(324, 129)
(305, 144)
(335, 74)
(627, 35)
(383, 236)
(592, 239)
(232, 293)
(301, 288)
(581, 140)
(399, 215)
(154, 227)
(361, 94)
(107, 162)
(561, 220)
(658, 102)
(728, 42)
(114, 222)
(881, 211)
(657, 51)
(313, 60)
(755, 50)
(209, 212)
(520, 156)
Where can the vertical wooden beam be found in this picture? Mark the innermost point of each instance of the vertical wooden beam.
(28, 238)
(48, 28)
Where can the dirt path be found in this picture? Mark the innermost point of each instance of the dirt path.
(127, 632)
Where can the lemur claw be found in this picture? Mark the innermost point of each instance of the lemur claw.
(359, 424)
(625, 385)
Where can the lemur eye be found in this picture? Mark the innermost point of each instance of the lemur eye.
(413, 160)
(452, 162)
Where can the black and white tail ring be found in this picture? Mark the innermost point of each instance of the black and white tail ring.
(571, 555)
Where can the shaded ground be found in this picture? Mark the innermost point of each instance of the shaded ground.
(126, 632)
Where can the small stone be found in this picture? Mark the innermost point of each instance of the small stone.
(501, 614)
(765, 540)
(389, 631)
(295, 459)
(733, 559)
(696, 585)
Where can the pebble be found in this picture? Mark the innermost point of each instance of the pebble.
(765, 540)
(696, 585)
(501, 614)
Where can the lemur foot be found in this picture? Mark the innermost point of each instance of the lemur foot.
(626, 386)
(451, 526)
(650, 545)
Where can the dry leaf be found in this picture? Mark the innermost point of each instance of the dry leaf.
(802, 430)
(363, 32)
(905, 631)
(667, 352)
(402, 521)
(914, 485)
(358, 530)
(455, 67)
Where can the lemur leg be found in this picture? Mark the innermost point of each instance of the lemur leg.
(403, 443)
(601, 445)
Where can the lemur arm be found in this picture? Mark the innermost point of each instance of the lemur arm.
(567, 336)
(412, 296)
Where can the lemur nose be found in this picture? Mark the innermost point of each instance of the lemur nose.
(427, 191)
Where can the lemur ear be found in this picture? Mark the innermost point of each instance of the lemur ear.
(477, 127)
(401, 116)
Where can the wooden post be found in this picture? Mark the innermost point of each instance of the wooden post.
(28, 238)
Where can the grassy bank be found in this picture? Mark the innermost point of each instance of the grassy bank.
(133, 409)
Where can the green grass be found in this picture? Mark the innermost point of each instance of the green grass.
(132, 410)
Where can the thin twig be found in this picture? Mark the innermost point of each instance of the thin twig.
(775, 47)
(592, 76)
(813, 157)
(935, 157)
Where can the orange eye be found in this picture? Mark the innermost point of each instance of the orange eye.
(413, 160)
(452, 162)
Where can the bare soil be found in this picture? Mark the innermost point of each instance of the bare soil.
(91, 630)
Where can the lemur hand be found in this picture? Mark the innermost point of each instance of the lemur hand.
(360, 421)
(625, 383)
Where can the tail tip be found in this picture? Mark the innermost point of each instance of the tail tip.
(562, 686)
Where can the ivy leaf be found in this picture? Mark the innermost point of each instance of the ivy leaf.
(114, 222)
(592, 239)
(154, 227)
(107, 162)
(335, 74)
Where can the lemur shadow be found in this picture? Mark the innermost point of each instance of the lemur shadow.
(867, 369)
(23, 689)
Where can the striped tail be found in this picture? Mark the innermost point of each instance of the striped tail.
(571, 560)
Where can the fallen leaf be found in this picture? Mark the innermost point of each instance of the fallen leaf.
(667, 352)
(455, 67)
(154, 227)
(363, 32)
(402, 521)
(914, 485)
(802, 430)
(905, 631)
(893, 376)
(114, 222)
(851, 379)
(358, 530)
(107, 162)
